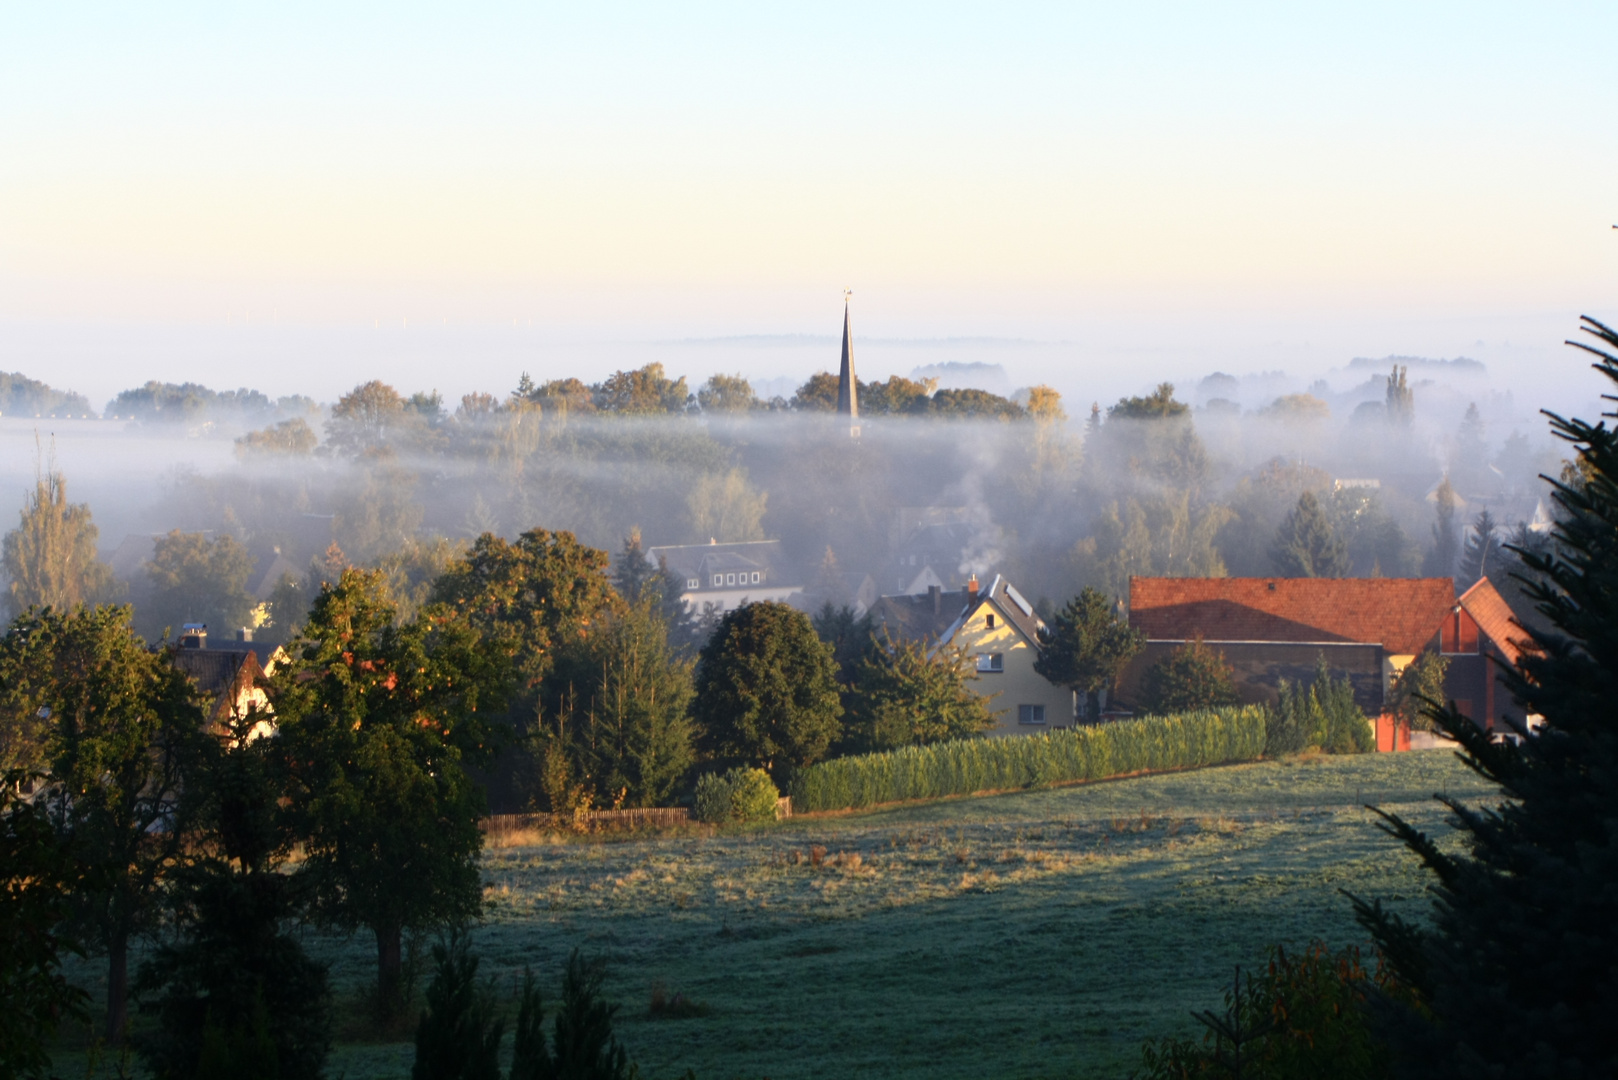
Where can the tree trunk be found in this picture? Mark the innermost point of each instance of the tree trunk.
(389, 969)
(117, 988)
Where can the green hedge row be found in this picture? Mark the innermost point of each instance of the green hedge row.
(962, 766)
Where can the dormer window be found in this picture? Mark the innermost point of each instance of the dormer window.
(730, 579)
(692, 583)
(757, 577)
(718, 580)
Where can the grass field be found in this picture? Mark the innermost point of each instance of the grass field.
(1035, 934)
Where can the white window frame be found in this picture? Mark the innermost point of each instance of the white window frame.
(756, 577)
(1030, 714)
(718, 580)
(693, 583)
(730, 579)
(991, 662)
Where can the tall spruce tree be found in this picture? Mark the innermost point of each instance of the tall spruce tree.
(1482, 550)
(1520, 965)
(1306, 545)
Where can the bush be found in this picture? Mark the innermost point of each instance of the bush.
(738, 795)
(1305, 1015)
(1191, 677)
(964, 766)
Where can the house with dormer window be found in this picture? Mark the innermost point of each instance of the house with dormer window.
(721, 577)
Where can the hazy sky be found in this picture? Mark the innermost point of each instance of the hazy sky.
(317, 193)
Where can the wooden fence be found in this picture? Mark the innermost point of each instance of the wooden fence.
(657, 817)
(652, 817)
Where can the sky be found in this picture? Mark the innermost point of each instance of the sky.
(296, 197)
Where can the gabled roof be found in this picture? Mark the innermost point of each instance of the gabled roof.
(1012, 606)
(1494, 617)
(688, 560)
(222, 675)
(1401, 614)
(913, 617)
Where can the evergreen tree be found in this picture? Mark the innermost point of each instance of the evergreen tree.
(1440, 561)
(50, 557)
(1086, 647)
(904, 697)
(458, 1036)
(767, 690)
(1191, 677)
(619, 701)
(233, 986)
(1519, 968)
(632, 572)
(1321, 714)
(1306, 545)
(1481, 552)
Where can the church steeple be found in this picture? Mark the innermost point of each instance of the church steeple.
(848, 386)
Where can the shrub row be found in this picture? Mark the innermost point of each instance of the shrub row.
(963, 766)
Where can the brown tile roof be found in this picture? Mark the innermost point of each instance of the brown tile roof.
(1494, 617)
(1401, 614)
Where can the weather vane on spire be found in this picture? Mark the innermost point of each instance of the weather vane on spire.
(848, 293)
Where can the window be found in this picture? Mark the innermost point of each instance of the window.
(730, 579)
(1030, 714)
(692, 583)
(756, 577)
(990, 621)
(718, 580)
(991, 662)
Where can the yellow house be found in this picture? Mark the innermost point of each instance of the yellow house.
(998, 631)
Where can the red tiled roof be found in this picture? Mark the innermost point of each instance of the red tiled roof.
(1401, 614)
(1494, 617)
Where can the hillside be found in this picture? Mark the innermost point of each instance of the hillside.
(1037, 934)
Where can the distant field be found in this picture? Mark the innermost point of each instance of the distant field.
(1038, 934)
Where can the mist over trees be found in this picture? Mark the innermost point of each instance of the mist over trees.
(1174, 481)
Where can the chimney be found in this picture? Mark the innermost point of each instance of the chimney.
(245, 634)
(194, 635)
(935, 592)
(972, 587)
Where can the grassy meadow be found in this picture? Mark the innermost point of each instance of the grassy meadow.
(1041, 933)
(1036, 934)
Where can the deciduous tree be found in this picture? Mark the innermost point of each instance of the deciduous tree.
(37, 876)
(123, 723)
(380, 720)
(50, 557)
(195, 579)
